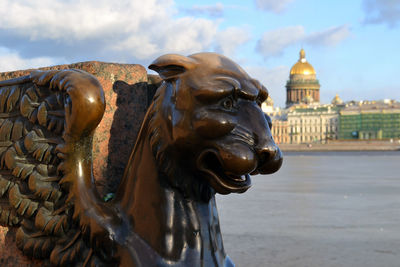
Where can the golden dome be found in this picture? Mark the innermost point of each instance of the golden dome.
(337, 100)
(302, 66)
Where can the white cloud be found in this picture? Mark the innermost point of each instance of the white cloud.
(230, 39)
(273, 5)
(76, 20)
(382, 11)
(274, 42)
(11, 60)
(127, 31)
(175, 37)
(329, 37)
(273, 79)
(216, 10)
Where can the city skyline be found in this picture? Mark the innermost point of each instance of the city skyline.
(352, 45)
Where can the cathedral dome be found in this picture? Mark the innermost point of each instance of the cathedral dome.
(302, 66)
(302, 86)
(337, 100)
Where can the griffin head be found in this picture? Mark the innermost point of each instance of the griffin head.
(210, 110)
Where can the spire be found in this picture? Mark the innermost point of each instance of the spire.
(302, 55)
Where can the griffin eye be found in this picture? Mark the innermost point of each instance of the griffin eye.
(227, 103)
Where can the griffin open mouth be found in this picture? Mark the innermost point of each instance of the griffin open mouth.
(224, 182)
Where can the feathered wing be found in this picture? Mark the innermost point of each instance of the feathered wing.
(47, 121)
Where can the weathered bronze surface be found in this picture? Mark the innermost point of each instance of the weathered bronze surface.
(203, 133)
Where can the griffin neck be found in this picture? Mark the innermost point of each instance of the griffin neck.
(180, 229)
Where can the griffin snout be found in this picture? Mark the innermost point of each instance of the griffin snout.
(269, 158)
(258, 131)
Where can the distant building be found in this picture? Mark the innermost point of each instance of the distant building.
(337, 101)
(302, 86)
(268, 105)
(305, 120)
(279, 126)
(312, 125)
(280, 131)
(370, 120)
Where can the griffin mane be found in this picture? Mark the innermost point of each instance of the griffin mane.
(169, 169)
(158, 145)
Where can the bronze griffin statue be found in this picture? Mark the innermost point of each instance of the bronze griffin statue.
(204, 133)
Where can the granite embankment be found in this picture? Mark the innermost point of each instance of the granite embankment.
(344, 146)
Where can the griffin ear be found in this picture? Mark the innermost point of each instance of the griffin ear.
(172, 65)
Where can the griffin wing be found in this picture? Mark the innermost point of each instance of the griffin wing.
(45, 118)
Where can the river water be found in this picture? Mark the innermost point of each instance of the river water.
(321, 209)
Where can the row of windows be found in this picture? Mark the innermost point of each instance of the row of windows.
(371, 121)
(384, 131)
(279, 131)
(370, 126)
(313, 129)
(313, 121)
(370, 117)
(384, 136)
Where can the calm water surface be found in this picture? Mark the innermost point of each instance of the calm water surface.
(321, 209)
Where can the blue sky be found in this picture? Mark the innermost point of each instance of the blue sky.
(353, 45)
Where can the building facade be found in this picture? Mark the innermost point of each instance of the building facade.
(375, 120)
(305, 124)
(280, 131)
(312, 125)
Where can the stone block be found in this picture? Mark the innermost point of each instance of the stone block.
(128, 93)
